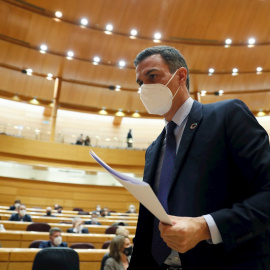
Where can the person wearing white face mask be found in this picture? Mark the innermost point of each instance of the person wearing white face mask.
(55, 239)
(210, 170)
(94, 219)
(21, 215)
(16, 205)
(77, 226)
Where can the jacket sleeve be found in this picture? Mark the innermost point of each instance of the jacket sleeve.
(249, 149)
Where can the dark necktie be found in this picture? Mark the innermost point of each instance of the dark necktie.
(160, 250)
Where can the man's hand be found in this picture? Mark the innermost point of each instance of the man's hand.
(185, 233)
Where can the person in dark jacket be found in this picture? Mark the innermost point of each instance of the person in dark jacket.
(55, 239)
(21, 215)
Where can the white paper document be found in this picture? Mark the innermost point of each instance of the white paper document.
(139, 189)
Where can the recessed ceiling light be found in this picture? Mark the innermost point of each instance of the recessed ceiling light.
(70, 55)
(251, 41)
(43, 47)
(29, 71)
(133, 32)
(211, 70)
(220, 92)
(228, 41)
(109, 27)
(58, 14)
(122, 63)
(203, 92)
(84, 21)
(96, 59)
(157, 36)
(235, 70)
(49, 76)
(259, 69)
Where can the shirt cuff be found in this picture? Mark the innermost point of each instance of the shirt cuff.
(214, 231)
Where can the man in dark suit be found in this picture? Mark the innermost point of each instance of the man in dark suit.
(94, 219)
(55, 239)
(77, 226)
(218, 197)
(21, 215)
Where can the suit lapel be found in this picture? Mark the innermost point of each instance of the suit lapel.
(192, 125)
(152, 159)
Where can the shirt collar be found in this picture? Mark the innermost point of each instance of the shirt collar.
(182, 112)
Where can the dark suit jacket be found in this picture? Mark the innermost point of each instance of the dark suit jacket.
(48, 244)
(16, 217)
(222, 168)
(84, 230)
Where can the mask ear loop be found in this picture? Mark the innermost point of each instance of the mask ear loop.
(171, 77)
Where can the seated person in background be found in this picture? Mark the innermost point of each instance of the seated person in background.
(56, 206)
(21, 215)
(120, 223)
(120, 231)
(15, 206)
(59, 209)
(77, 226)
(55, 239)
(87, 140)
(131, 209)
(98, 209)
(49, 212)
(120, 253)
(94, 219)
(105, 212)
(80, 140)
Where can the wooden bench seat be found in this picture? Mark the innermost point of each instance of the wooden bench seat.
(22, 239)
(98, 229)
(22, 258)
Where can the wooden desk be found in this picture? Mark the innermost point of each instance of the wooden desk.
(22, 239)
(98, 229)
(107, 222)
(22, 258)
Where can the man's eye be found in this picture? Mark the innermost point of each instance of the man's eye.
(153, 76)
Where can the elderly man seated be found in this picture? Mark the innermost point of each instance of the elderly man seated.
(55, 239)
(21, 215)
(77, 226)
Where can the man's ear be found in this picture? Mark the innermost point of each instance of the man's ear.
(182, 74)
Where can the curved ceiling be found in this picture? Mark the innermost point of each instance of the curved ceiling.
(198, 28)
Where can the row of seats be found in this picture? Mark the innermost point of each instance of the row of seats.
(25, 259)
(99, 229)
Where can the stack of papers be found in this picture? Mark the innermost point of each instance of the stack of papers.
(139, 189)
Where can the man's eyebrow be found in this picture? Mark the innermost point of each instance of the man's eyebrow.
(147, 73)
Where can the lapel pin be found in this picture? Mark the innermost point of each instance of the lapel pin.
(194, 125)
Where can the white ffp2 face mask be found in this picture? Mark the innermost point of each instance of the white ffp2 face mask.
(157, 98)
(57, 240)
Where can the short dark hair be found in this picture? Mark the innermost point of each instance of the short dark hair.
(54, 229)
(172, 57)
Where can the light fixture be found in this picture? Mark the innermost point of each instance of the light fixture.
(136, 114)
(120, 113)
(133, 33)
(96, 60)
(109, 28)
(43, 48)
(70, 55)
(220, 92)
(58, 14)
(49, 76)
(261, 113)
(228, 42)
(84, 21)
(203, 93)
(16, 97)
(122, 63)
(157, 37)
(235, 71)
(251, 42)
(211, 71)
(259, 70)
(29, 72)
(34, 101)
(117, 88)
(103, 111)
